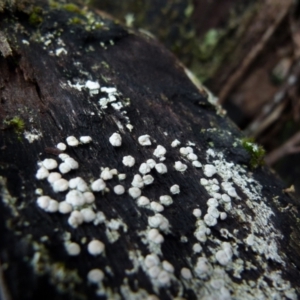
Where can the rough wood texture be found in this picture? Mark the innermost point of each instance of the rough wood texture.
(53, 59)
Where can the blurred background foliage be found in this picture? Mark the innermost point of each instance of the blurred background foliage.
(247, 52)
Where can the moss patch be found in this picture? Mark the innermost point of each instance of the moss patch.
(256, 152)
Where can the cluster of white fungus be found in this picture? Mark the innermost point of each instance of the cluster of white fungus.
(115, 140)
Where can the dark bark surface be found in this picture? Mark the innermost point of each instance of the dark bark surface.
(51, 59)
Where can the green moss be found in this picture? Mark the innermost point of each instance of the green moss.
(35, 18)
(72, 8)
(16, 123)
(76, 21)
(256, 152)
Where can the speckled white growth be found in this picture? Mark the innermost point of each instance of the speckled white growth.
(151, 260)
(167, 266)
(151, 163)
(163, 278)
(85, 139)
(179, 166)
(75, 198)
(213, 211)
(72, 141)
(64, 207)
(53, 176)
(106, 174)
(43, 202)
(212, 202)
(158, 221)
(75, 219)
(63, 156)
(175, 189)
(203, 181)
(92, 85)
(197, 248)
(42, 173)
(148, 179)
(175, 143)
(210, 220)
(209, 170)
(49, 163)
(98, 185)
(60, 51)
(143, 201)
(144, 168)
(224, 256)
(226, 198)
(197, 212)
(154, 271)
(119, 189)
(115, 140)
(154, 236)
(186, 150)
(72, 163)
(166, 200)
(95, 247)
(137, 181)
(128, 161)
(73, 249)
(61, 146)
(134, 192)
(60, 185)
(197, 164)
(192, 157)
(186, 273)
(144, 140)
(95, 276)
(223, 215)
(161, 168)
(160, 151)
(89, 197)
(157, 207)
(88, 215)
(64, 168)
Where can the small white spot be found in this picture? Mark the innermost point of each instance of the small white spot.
(73, 249)
(213, 211)
(95, 276)
(63, 156)
(42, 173)
(75, 198)
(115, 140)
(175, 143)
(89, 197)
(64, 207)
(197, 212)
(95, 247)
(166, 200)
(223, 215)
(49, 163)
(106, 174)
(61, 146)
(88, 215)
(122, 176)
(179, 166)
(60, 51)
(144, 140)
(75, 219)
(210, 220)
(151, 260)
(197, 248)
(98, 185)
(134, 192)
(72, 163)
(154, 271)
(163, 278)
(186, 273)
(151, 163)
(209, 170)
(167, 266)
(161, 168)
(250, 240)
(144, 168)
(160, 151)
(119, 189)
(53, 176)
(72, 141)
(64, 168)
(128, 161)
(60, 185)
(148, 179)
(143, 201)
(197, 164)
(192, 157)
(85, 139)
(157, 207)
(92, 85)
(203, 181)
(224, 257)
(175, 189)
(154, 236)
(226, 198)
(212, 202)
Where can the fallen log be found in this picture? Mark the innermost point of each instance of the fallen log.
(120, 180)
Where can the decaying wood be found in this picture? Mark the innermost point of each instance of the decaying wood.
(226, 232)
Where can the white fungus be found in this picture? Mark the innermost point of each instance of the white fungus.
(213, 211)
(128, 161)
(157, 207)
(49, 163)
(60, 185)
(192, 157)
(161, 168)
(42, 173)
(72, 141)
(163, 278)
(210, 220)
(64, 207)
(186, 273)
(43, 202)
(95, 247)
(179, 166)
(134, 192)
(151, 163)
(224, 256)
(61, 146)
(148, 179)
(226, 198)
(64, 168)
(122, 176)
(167, 266)
(75, 198)
(119, 189)
(63, 156)
(95, 276)
(53, 176)
(106, 174)
(197, 164)
(72, 163)
(197, 212)
(98, 185)
(197, 248)
(154, 271)
(166, 200)
(223, 215)
(212, 202)
(154, 236)
(115, 140)
(89, 197)
(175, 143)
(144, 168)
(209, 170)
(151, 260)
(137, 181)
(160, 151)
(92, 85)
(175, 189)
(85, 139)
(73, 249)
(203, 181)
(144, 140)
(143, 201)
(88, 215)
